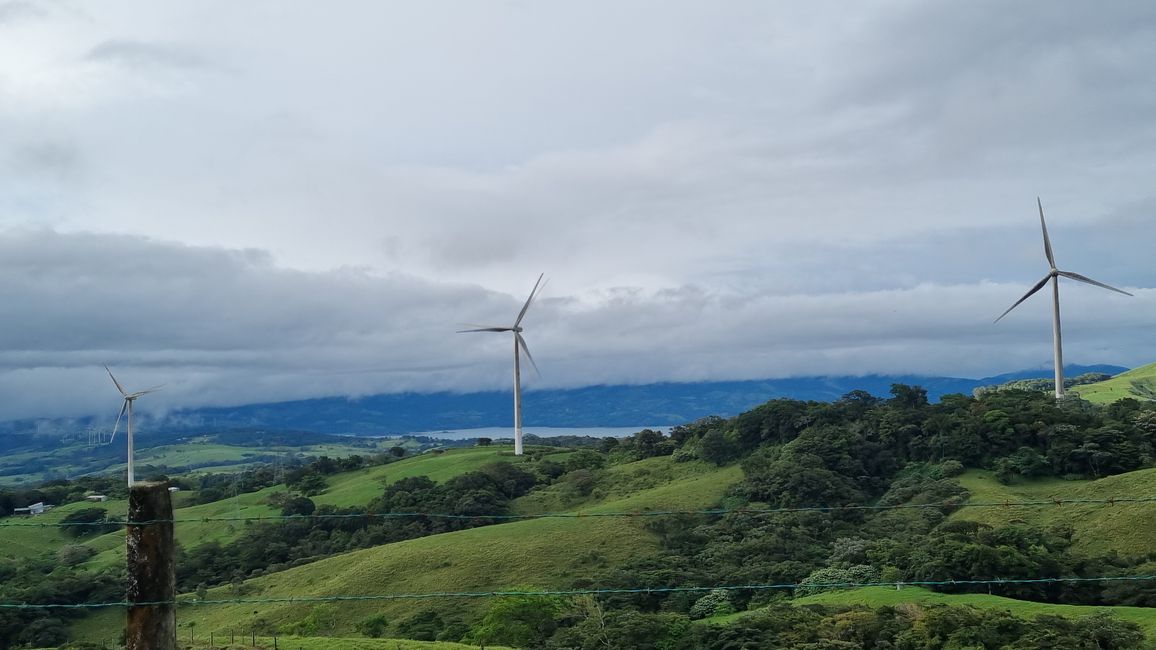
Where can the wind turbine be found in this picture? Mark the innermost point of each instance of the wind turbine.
(129, 398)
(1054, 277)
(519, 346)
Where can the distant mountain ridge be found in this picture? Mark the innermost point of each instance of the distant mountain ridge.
(661, 404)
(591, 406)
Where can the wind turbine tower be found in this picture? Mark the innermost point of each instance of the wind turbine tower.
(1053, 276)
(129, 398)
(519, 347)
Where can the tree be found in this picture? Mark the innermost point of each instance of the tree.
(89, 521)
(373, 627)
(908, 397)
(647, 443)
(302, 506)
(520, 621)
(312, 484)
(485, 442)
(715, 447)
(396, 451)
(715, 603)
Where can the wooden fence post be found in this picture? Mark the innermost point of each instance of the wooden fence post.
(152, 574)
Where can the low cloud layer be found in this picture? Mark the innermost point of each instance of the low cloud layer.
(755, 192)
(221, 327)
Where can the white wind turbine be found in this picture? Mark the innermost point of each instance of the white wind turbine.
(1054, 276)
(519, 346)
(129, 398)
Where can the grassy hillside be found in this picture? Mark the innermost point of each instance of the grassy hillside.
(346, 489)
(886, 596)
(323, 643)
(541, 553)
(361, 486)
(1139, 383)
(1127, 529)
(18, 542)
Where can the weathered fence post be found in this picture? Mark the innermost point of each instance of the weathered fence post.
(152, 575)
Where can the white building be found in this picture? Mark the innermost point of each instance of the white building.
(37, 508)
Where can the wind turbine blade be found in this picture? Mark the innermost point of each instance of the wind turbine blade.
(1039, 285)
(526, 351)
(118, 386)
(146, 391)
(487, 329)
(1082, 278)
(123, 408)
(1047, 241)
(522, 314)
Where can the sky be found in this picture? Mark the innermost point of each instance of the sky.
(271, 200)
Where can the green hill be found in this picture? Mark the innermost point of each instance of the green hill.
(346, 489)
(538, 553)
(328, 643)
(19, 542)
(1139, 383)
(1145, 617)
(1124, 528)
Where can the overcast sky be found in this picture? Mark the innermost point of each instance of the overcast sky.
(265, 200)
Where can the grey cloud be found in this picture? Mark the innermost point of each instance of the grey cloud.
(229, 326)
(16, 10)
(757, 191)
(141, 54)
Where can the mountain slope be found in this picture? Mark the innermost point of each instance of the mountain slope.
(1138, 384)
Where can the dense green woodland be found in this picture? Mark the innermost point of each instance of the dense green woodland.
(858, 450)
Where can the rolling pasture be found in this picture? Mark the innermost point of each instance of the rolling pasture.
(1124, 528)
(1145, 617)
(537, 553)
(1139, 383)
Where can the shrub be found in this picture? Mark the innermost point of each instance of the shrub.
(373, 627)
(74, 554)
(715, 603)
(950, 468)
(817, 582)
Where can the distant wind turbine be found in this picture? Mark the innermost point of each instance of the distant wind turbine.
(129, 398)
(1054, 276)
(519, 346)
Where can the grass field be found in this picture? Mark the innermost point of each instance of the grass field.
(323, 643)
(1127, 529)
(1138, 383)
(1145, 617)
(360, 487)
(18, 542)
(539, 553)
(346, 489)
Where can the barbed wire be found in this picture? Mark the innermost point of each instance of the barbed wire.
(577, 592)
(716, 512)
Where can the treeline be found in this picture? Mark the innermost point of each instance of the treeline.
(585, 623)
